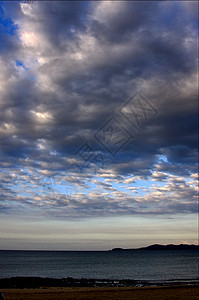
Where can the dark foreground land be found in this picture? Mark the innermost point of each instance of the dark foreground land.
(100, 293)
(37, 288)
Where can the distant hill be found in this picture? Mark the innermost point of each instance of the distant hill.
(162, 247)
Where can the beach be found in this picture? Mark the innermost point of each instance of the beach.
(98, 293)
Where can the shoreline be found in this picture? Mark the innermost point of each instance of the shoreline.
(21, 282)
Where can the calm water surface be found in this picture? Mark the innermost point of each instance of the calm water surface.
(138, 265)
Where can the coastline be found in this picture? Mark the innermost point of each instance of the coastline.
(20, 282)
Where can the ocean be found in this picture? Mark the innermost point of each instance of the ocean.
(159, 265)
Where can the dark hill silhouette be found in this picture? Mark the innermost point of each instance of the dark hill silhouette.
(162, 247)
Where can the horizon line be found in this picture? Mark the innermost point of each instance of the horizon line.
(143, 247)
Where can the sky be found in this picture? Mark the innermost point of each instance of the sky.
(98, 124)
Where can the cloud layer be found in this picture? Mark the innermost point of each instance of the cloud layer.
(67, 70)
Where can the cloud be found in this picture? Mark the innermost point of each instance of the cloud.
(65, 69)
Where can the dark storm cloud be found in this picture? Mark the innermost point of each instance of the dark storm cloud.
(80, 61)
(123, 21)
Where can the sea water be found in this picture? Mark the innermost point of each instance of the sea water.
(138, 264)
